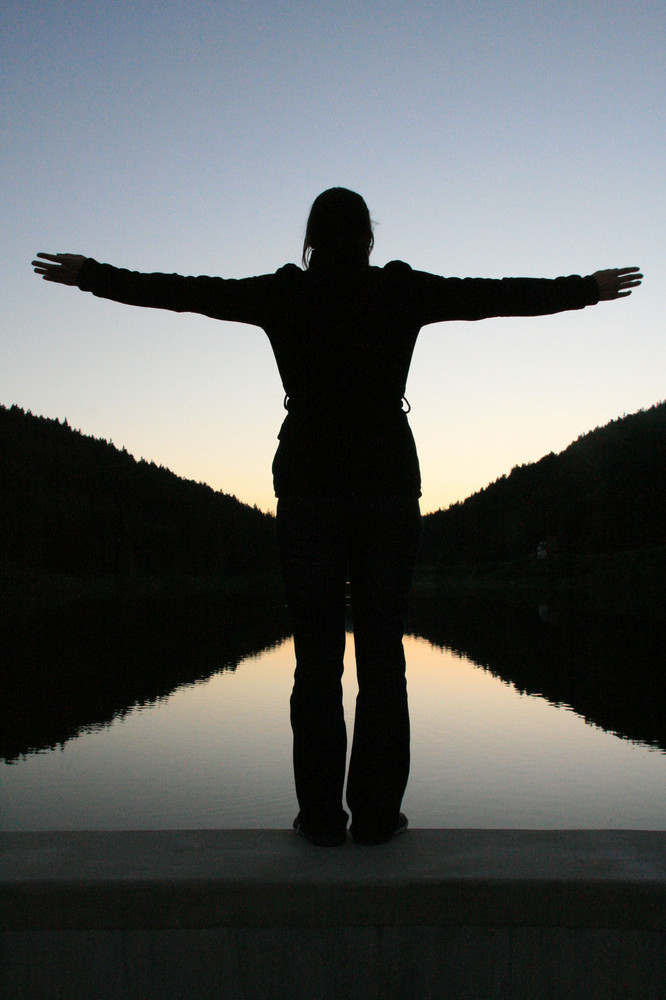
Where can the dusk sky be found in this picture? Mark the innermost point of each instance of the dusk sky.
(488, 138)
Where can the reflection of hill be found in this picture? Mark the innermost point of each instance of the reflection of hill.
(120, 582)
(78, 506)
(594, 510)
(609, 672)
(82, 666)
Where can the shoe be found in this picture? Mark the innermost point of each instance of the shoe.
(368, 838)
(321, 838)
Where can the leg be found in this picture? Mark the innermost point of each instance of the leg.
(313, 553)
(382, 555)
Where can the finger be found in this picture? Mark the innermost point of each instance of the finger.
(57, 258)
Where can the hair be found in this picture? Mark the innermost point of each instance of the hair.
(339, 229)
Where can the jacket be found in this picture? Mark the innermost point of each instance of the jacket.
(343, 341)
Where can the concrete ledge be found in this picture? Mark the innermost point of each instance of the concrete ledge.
(272, 878)
(426, 908)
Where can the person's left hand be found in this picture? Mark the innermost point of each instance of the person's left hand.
(61, 267)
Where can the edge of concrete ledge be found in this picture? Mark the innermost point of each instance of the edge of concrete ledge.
(236, 878)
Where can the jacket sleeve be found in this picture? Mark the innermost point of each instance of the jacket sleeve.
(244, 300)
(437, 299)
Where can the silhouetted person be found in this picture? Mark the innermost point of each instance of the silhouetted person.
(346, 474)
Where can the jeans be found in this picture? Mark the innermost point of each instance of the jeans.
(372, 542)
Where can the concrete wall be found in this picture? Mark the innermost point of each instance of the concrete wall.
(258, 914)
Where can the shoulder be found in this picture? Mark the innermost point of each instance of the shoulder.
(397, 266)
(395, 269)
(395, 274)
(289, 272)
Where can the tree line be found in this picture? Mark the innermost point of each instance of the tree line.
(603, 494)
(79, 506)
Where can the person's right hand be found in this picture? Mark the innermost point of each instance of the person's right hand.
(61, 267)
(617, 282)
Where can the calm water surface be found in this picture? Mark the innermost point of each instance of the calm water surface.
(216, 754)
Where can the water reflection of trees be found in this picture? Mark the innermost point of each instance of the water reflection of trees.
(68, 671)
(75, 669)
(609, 670)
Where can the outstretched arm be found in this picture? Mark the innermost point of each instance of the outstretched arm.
(617, 282)
(239, 300)
(61, 267)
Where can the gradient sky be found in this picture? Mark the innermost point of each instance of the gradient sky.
(488, 138)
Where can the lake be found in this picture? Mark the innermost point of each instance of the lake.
(517, 722)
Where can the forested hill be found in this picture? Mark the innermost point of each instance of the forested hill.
(604, 494)
(76, 505)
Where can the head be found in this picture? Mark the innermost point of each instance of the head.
(339, 229)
